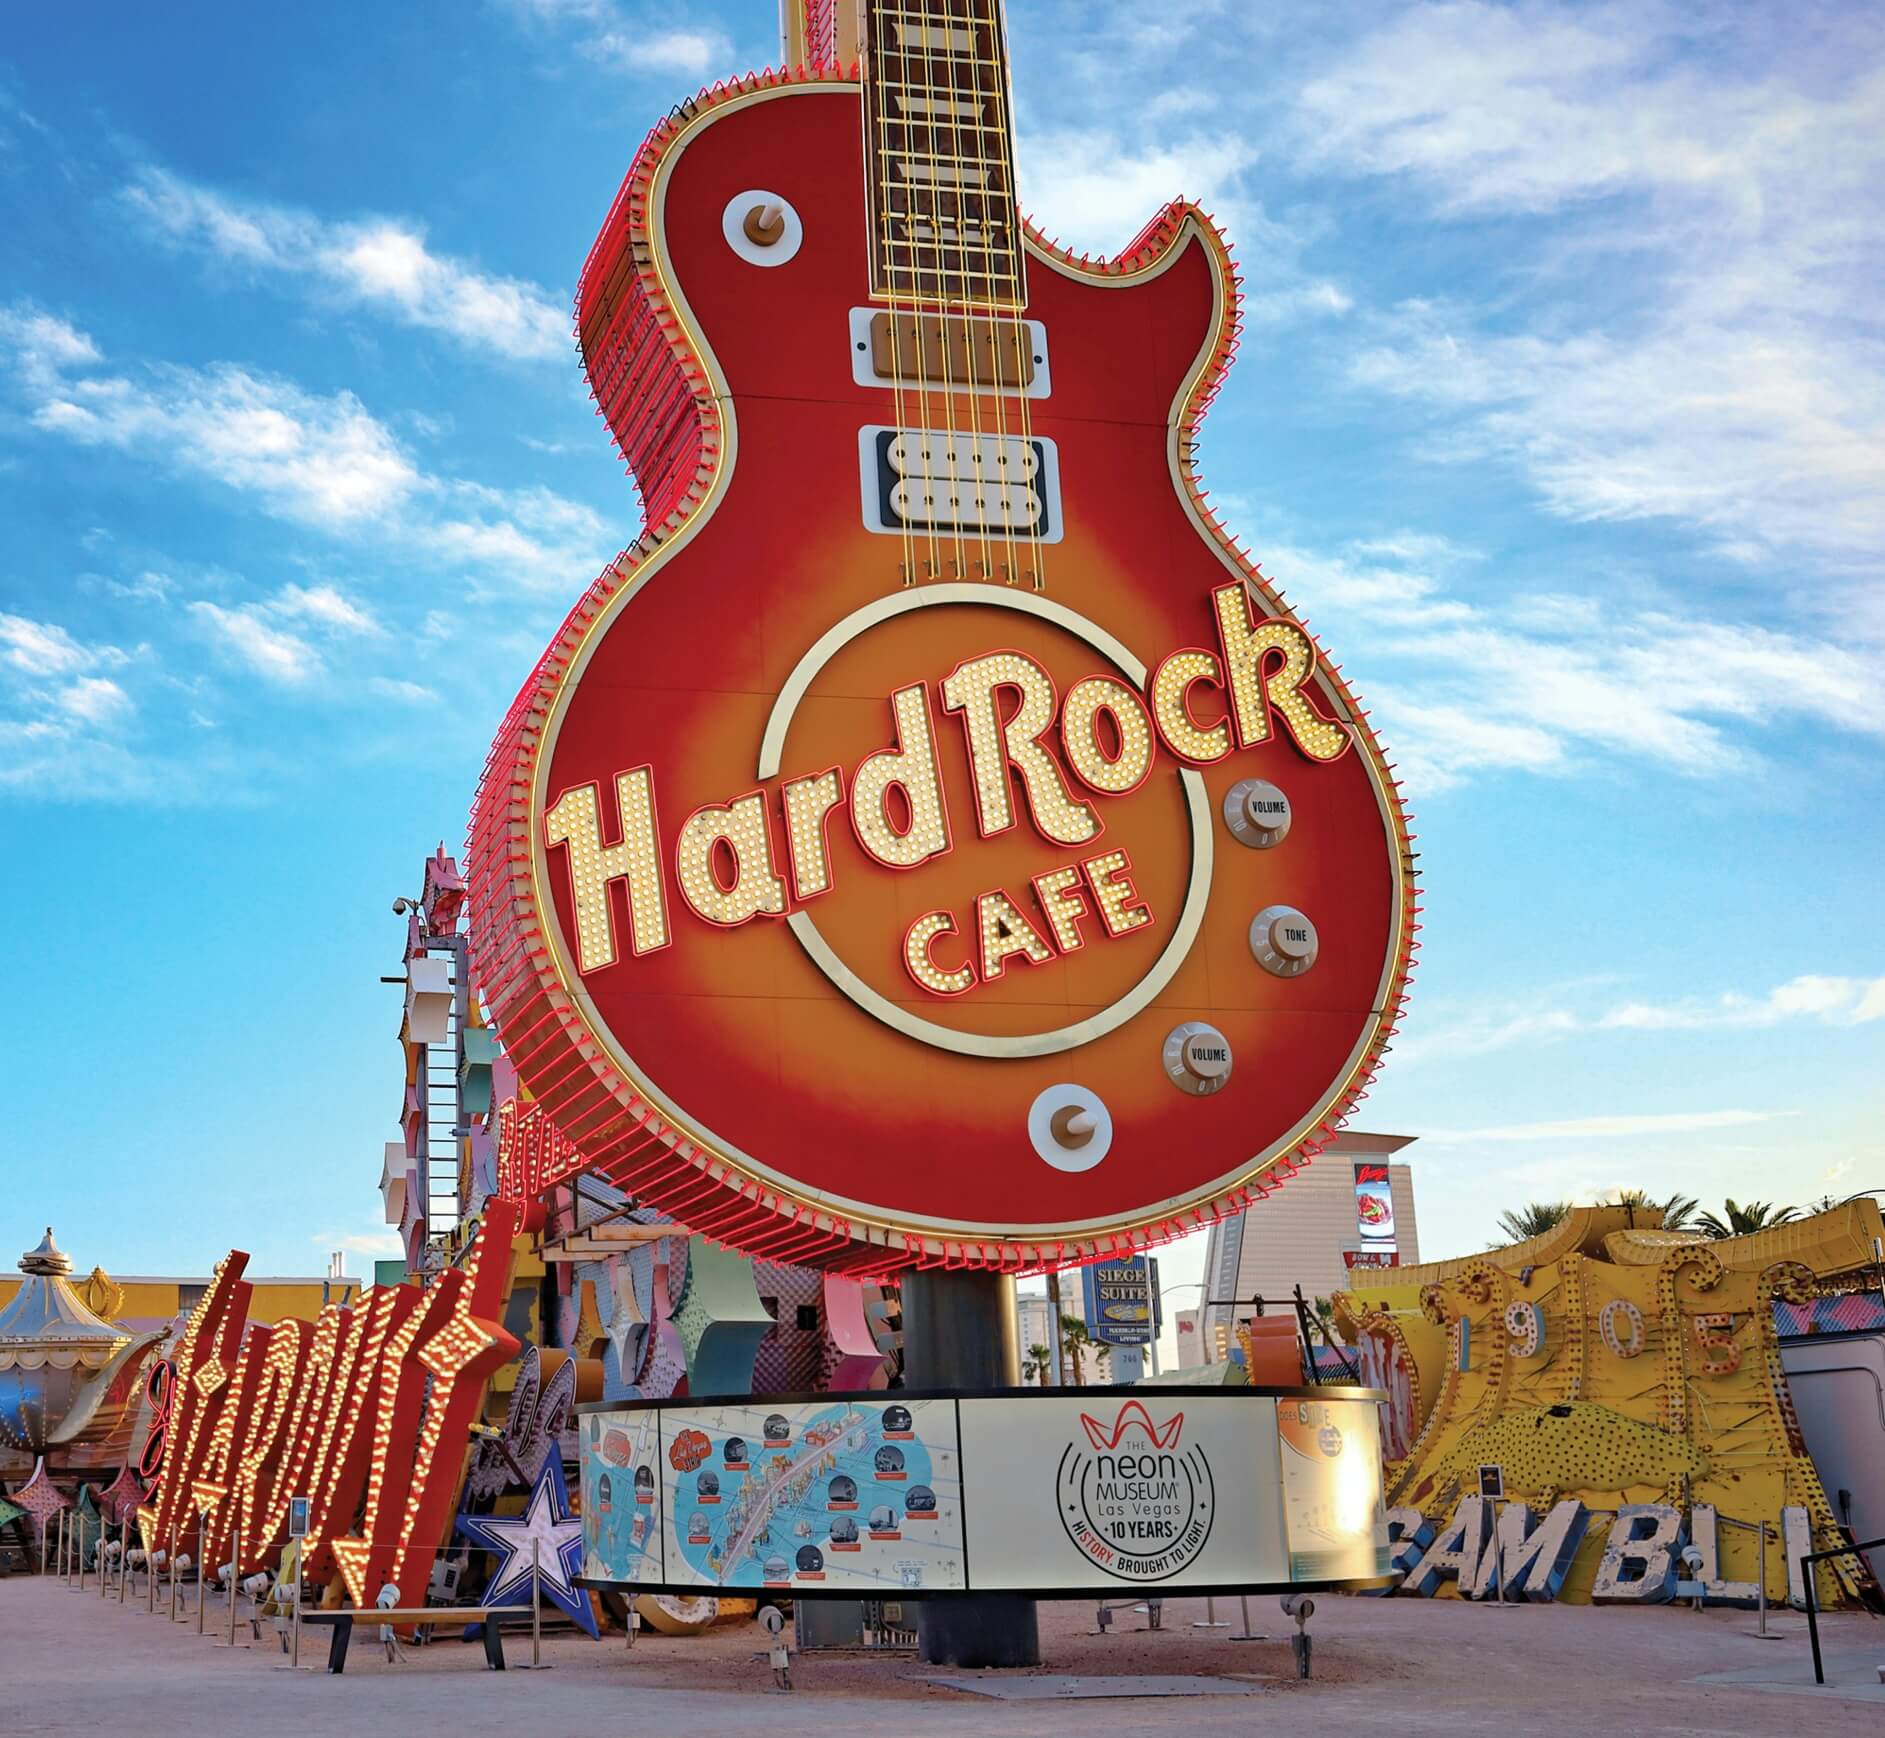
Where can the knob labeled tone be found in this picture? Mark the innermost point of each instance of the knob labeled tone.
(1283, 941)
(1197, 1059)
(1257, 813)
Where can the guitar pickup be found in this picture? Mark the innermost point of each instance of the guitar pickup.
(961, 482)
(971, 353)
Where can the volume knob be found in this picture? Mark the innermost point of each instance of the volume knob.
(1257, 813)
(1197, 1058)
(1283, 941)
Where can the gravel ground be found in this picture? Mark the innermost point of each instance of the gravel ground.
(74, 1663)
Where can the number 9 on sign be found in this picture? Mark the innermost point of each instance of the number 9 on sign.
(1525, 1329)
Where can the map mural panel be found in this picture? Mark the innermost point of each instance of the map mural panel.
(621, 1495)
(847, 1495)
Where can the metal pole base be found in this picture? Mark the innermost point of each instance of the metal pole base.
(959, 1332)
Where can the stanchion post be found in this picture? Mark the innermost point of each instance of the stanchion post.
(536, 1602)
(150, 1584)
(61, 1545)
(1211, 1618)
(176, 1590)
(124, 1554)
(235, 1580)
(294, 1652)
(79, 1551)
(1763, 1575)
(202, 1522)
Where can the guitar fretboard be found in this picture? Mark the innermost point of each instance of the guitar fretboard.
(939, 167)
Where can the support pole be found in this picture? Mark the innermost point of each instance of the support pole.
(61, 1545)
(202, 1522)
(150, 1584)
(80, 1542)
(124, 1555)
(959, 1333)
(175, 1591)
(294, 1653)
(235, 1579)
(1763, 1576)
(536, 1603)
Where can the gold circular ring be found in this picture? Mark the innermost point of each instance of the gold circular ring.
(1197, 807)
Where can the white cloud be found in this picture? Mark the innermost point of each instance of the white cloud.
(1095, 191)
(318, 460)
(1832, 1000)
(695, 52)
(408, 693)
(314, 459)
(94, 699)
(271, 652)
(324, 604)
(1611, 1127)
(1817, 997)
(1694, 336)
(1541, 682)
(377, 263)
(41, 648)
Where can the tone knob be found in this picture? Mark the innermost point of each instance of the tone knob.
(1257, 813)
(1197, 1059)
(1283, 941)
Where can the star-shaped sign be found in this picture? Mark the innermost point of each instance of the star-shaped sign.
(546, 1541)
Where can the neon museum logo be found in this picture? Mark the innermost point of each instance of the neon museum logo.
(1134, 1499)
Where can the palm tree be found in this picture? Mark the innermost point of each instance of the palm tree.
(1736, 1220)
(1534, 1219)
(1075, 1338)
(1678, 1211)
(1040, 1359)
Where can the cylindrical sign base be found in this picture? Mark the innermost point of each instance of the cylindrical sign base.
(959, 1332)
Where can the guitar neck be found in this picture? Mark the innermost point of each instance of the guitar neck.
(939, 163)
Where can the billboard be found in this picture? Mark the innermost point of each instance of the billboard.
(1026, 1490)
(1121, 1309)
(1374, 1216)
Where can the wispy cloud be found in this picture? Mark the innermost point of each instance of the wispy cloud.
(271, 652)
(321, 460)
(1586, 1128)
(695, 52)
(1833, 1001)
(1695, 335)
(1538, 683)
(380, 264)
(1809, 998)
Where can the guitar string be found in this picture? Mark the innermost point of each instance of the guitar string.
(873, 28)
(920, 474)
(1019, 335)
(979, 477)
(990, 469)
(928, 29)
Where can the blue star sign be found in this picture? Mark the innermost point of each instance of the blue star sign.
(547, 1535)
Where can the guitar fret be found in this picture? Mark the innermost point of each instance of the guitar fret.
(941, 201)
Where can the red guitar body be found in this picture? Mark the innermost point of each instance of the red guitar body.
(729, 1077)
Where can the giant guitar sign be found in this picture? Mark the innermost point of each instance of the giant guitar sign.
(933, 840)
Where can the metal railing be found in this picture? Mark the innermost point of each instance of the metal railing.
(63, 1553)
(1812, 1594)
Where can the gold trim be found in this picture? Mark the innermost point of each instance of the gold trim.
(1197, 806)
(832, 1213)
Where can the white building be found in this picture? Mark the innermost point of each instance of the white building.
(1301, 1235)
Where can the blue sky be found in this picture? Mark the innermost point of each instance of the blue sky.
(1559, 412)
